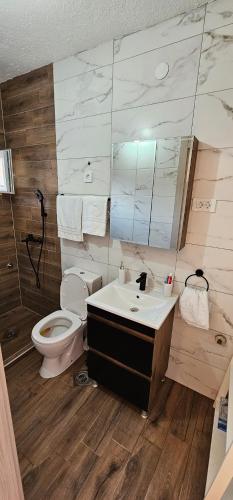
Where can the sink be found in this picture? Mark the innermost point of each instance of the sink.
(148, 308)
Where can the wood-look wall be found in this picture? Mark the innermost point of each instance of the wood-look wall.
(9, 280)
(29, 121)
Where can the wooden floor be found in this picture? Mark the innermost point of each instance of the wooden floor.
(22, 320)
(85, 443)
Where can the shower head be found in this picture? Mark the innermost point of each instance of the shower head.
(39, 195)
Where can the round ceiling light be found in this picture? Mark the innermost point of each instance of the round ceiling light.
(162, 70)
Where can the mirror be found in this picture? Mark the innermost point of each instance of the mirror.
(151, 185)
(6, 172)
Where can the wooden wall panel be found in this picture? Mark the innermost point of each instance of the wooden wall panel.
(29, 120)
(9, 279)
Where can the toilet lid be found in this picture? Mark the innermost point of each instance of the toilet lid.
(73, 293)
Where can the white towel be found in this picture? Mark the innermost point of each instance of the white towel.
(194, 307)
(95, 215)
(69, 217)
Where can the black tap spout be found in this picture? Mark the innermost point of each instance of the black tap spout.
(142, 281)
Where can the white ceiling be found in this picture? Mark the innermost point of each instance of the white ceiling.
(37, 32)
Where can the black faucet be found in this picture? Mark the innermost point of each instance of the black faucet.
(142, 281)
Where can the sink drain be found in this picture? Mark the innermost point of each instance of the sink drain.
(134, 309)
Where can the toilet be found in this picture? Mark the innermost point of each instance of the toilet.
(59, 336)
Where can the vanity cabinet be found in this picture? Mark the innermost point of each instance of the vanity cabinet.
(127, 357)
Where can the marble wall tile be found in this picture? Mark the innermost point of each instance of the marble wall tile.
(122, 206)
(155, 262)
(123, 182)
(144, 181)
(125, 155)
(212, 229)
(201, 344)
(83, 61)
(87, 265)
(121, 228)
(195, 374)
(160, 234)
(168, 119)
(162, 208)
(142, 207)
(216, 64)
(170, 31)
(168, 153)
(213, 119)
(214, 175)
(93, 248)
(141, 230)
(218, 13)
(165, 182)
(86, 137)
(84, 95)
(217, 263)
(71, 176)
(135, 83)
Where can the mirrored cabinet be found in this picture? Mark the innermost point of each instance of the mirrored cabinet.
(151, 188)
(6, 172)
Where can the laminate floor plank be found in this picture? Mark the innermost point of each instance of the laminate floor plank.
(22, 321)
(77, 442)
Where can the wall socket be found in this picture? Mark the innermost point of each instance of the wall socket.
(204, 205)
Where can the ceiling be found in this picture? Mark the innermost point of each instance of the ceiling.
(37, 32)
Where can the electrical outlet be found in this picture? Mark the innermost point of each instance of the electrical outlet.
(88, 176)
(204, 205)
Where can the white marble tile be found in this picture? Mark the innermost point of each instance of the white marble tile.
(165, 33)
(216, 64)
(85, 137)
(92, 248)
(84, 95)
(213, 174)
(168, 119)
(162, 208)
(125, 155)
(212, 229)
(165, 182)
(99, 268)
(144, 181)
(122, 206)
(71, 176)
(217, 264)
(95, 58)
(123, 182)
(194, 374)
(121, 229)
(218, 13)
(146, 155)
(168, 153)
(135, 83)
(201, 344)
(213, 119)
(141, 229)
(160, 234)
(142, 207)
(155, 262)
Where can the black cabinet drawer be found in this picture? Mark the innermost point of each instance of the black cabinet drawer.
(130, 386)
(120, 345)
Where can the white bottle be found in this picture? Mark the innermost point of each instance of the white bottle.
(122, 274)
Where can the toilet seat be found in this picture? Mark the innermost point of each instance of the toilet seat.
(52, 320)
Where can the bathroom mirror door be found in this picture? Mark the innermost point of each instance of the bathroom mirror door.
(6, 172)
(151, 187)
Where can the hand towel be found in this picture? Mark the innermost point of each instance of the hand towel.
(194, 307)
(69, 217)
(95, 215)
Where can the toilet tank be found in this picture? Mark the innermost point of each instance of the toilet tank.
(92, 280)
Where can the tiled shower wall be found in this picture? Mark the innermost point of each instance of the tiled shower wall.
(9, 279)
(110, 94)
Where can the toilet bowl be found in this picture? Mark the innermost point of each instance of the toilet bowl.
(59, 336)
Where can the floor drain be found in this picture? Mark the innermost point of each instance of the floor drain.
(134, 309)
(82, 378)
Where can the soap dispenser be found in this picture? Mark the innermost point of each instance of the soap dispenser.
(122, 274)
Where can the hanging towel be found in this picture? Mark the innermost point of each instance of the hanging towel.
(194, 307)
(69, 217)
(95, 215)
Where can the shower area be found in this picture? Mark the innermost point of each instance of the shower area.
(30, 267)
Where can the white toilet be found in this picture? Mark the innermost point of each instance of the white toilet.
(59, 336)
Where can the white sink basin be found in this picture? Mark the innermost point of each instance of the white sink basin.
(147, 308)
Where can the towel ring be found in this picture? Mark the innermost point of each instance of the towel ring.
(200, 274)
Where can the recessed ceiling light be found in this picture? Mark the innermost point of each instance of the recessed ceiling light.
(162, 70)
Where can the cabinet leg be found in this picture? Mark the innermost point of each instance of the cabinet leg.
(144, 414)
(94, 384)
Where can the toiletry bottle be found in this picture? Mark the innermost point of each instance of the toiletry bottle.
(122, 274)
